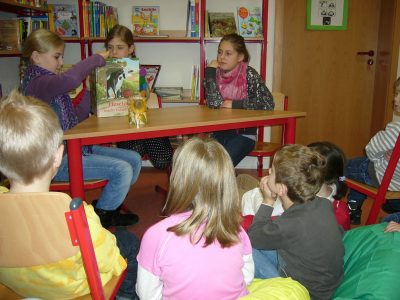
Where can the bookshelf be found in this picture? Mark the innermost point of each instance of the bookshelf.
(201, 48)
(14, 8)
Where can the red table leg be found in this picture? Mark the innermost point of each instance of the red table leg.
(75, 168)
(290, 131)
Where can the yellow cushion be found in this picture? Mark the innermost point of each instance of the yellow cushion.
(276, 289)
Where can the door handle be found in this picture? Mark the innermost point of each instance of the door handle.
(369, 53)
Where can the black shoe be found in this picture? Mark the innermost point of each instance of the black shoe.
(355, 212)
(110, 218)
(355, 217)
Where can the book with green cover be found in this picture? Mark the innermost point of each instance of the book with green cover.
(221, 23)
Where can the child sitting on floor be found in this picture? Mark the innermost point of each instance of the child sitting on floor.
(305, 242)
(31, 151)
(333, 188)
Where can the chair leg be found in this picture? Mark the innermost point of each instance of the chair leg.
(259, 166)
(375, 209)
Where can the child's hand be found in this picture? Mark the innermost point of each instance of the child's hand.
(268, 195)
(213, 64)
(226, 104)
(87, 81)
(104, 53)
(392, 227)
(388, 154)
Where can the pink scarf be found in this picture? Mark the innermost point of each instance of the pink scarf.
(233, 84)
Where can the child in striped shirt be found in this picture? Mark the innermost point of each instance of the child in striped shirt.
(371, 168)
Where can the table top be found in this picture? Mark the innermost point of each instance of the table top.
(175, 118)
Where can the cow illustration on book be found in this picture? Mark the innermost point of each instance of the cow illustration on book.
(115, 79)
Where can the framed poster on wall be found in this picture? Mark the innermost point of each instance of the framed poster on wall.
(327, 14)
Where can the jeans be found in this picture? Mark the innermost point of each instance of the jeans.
(119, 166)
(357, 169)
(268, 264)
(392, 217)
(128, 245)
(237, 145)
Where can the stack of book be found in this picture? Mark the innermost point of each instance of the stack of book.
(169, 93)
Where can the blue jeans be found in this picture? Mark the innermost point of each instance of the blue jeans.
(392, 217)
(267, 263)
(119, 166)
(357, 169)
(128, 245)
(237, 145)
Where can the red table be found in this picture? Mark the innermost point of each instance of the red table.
(167, 122)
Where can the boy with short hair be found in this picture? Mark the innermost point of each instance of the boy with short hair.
(31, 151)
(305, 242)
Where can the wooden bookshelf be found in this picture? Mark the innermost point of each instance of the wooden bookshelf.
(5, 53)
(19, 8)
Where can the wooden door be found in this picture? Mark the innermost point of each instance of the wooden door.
(322, 74)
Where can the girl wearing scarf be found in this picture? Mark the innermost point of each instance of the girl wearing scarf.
(231, 83)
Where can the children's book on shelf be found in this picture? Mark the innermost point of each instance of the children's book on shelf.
(169, 92)
(65, 20)
(145, 20)
(249, 21)
(10, 35)
(113, 84)
(221, 23)
(193, 18)
(151, 76)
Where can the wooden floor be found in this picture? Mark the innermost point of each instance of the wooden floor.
(147, 203)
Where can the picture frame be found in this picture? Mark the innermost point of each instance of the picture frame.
(327, 14)
(151, 76)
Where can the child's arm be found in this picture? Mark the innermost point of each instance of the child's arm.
(148, 286)
(258, 95)
(83, 108)
(213, 96)
(382, 142)
(392, 227)
(248, 268)
(47, 86)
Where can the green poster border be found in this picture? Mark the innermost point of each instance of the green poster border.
(327, 27)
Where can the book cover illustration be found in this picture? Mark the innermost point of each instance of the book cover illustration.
(10, 35)
(65, 20)
(145, 20)
(249, 22)
(151, 76)
(113, 84)
(221, 23)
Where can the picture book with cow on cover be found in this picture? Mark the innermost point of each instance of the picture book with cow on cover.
(113, 84)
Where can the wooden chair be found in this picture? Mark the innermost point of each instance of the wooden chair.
(40, 228)
(267, 149)
(380, 194)
(62, 186)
